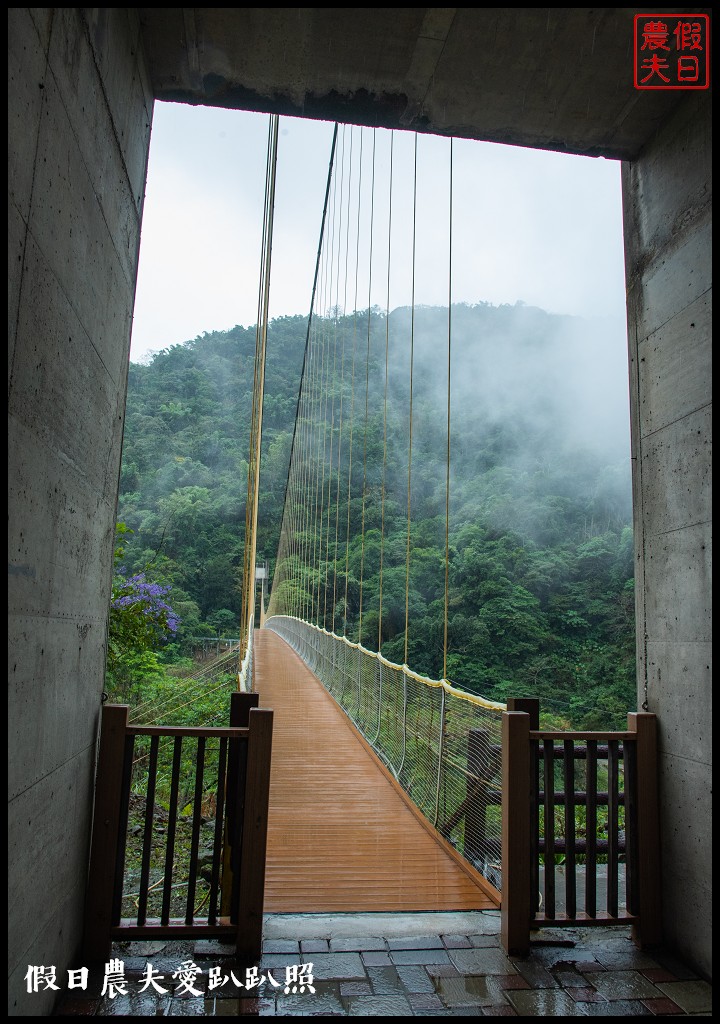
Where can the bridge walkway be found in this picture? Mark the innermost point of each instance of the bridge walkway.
(340, 836)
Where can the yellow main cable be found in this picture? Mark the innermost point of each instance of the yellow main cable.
(253, 490)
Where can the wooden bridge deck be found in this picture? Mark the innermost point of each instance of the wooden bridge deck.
(340, 836)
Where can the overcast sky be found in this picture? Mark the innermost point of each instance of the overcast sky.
(530, 226)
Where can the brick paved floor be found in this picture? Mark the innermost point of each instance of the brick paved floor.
(398, 965)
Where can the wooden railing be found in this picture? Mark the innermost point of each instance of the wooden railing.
(556, 786)
(158, 789)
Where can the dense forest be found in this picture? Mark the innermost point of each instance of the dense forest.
(541, 555)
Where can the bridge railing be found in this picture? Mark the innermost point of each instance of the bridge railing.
(179, 831)
(580, 828)
(440, 744)
(562, 826)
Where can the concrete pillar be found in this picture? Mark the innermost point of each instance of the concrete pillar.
(80, 108)
(667, 209)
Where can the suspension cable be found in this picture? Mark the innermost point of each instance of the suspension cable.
(253, 490)
(385, 397)
(352, 383)
(447, 462)
(367, 392)
(410, 410)
(291, 513)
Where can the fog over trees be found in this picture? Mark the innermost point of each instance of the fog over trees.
(541, 598)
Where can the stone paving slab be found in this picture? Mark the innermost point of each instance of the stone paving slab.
(692, 996)
(416, 942)
(281, 946)
(308, 946)
(371, 943)
(434, 971)
(619, 1008)
(385, 980)
(375, 958)
(624, 985)
(415, 980)
(378, 1006)
(465, 991)
(543, 1003)
(481, 961)
(420, 956)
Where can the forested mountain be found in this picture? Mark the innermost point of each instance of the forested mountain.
(183, 481)
(541, 562)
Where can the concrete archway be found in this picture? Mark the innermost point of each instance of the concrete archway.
(82, 86)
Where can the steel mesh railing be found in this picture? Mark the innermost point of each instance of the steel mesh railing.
(442, 745)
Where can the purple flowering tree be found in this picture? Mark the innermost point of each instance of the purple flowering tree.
(140, 622)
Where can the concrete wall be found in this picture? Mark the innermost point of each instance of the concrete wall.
(667, 195)
(80, 108)
(79, 122)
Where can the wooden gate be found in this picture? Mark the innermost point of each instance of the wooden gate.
(556, 786)
(179, 831)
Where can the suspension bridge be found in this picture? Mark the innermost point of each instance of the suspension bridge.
(391, 788)
(380, 749)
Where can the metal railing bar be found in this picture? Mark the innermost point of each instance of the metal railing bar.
(218, 837)
(549, 827)
(195, 840)
(147, 838)
(207, 732)
(613, 824)
(172, 824)
(569, 794)
(591, 804)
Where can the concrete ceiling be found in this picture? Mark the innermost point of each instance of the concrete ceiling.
(552, 78)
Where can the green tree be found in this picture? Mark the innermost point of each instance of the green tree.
(140, 620)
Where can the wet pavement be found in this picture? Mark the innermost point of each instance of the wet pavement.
(397, 965)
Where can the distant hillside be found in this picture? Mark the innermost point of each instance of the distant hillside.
(541, 541)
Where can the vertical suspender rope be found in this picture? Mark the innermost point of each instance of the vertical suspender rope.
(385, 398)
(447, 463)
(258, 390)
(330, 473)
(304, 372)
(367, 390)
(441, 744)
(318, 421)
(342, 386)
(310, 448)
(328, 396)
(335, 315)
(410, 410)
(322, 422)
(272, 159)
(409, 472)
(352, 384)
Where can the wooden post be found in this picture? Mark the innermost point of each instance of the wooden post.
(240, 705)
(103, 848)
(515, 907)
(530, 705)
(649, 930)
(254, 836)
